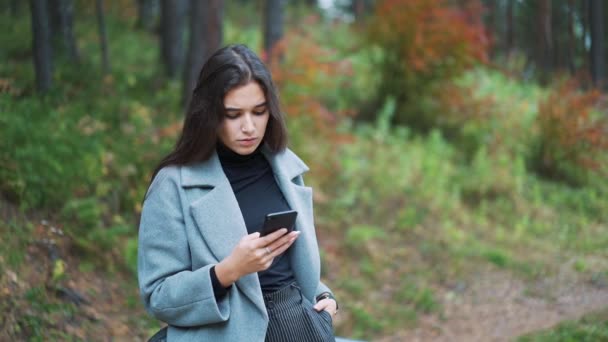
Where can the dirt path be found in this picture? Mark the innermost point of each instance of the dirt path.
(500, 307)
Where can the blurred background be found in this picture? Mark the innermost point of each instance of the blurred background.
(458, 153)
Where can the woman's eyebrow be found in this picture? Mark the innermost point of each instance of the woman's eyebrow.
(233, 109)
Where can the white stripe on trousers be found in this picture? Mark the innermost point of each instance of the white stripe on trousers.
(293, 318)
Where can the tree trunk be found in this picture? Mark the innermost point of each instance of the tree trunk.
(509, 30)
(103, 37)
(205, 39)
(598, 54)
(43, 51)
(62, 28)
(15, 8)
(571, 38)
(545, 36)
(146, 10)
(273, 28)
(172, 17)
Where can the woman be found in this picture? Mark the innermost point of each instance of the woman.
(203, 267)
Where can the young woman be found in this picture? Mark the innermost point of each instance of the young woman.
(203, 267)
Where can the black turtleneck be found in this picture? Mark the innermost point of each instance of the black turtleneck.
(258, 194)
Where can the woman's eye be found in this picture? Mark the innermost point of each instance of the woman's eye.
(260, 112)
(232, 117)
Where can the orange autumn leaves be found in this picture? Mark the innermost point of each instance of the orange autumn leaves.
(426, 34)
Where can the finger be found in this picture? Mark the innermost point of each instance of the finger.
(252, 236)
(281, 249)
(286, 239)
(268, 264)
(325, 304)
(266, 240)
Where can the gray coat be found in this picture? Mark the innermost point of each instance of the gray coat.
(190, 221)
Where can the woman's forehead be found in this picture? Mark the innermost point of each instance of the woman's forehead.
(246, 96)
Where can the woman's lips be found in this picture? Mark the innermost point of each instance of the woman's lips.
(247, 142)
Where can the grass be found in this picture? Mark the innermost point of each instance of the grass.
(590, 328)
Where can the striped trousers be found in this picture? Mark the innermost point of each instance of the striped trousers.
(293, 318)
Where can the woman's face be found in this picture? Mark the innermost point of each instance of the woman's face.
(242, 128)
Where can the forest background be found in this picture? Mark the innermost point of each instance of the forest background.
(458, 153)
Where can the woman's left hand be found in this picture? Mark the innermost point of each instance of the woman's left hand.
(328, 305)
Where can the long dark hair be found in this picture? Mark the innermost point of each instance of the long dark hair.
(229, 67)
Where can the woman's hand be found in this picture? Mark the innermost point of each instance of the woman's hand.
(253, 254)
(328, 305)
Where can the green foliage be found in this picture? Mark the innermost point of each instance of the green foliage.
(422, 299)
(492, 175)
(486, 109)
(497, 257)
(39, 324)
(130, 254)
(591, 328)
(46, 158)
(364, 322)
(358, 235)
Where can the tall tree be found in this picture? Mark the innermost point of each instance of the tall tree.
(598, 53)
(15, 7)
(509, 31)
(103, 37)
(273, 26)
(571, 37)
(172, 15)
(43, 52)
(361, 8)
(62, 28)
(545, 40)
(205, 38)
(146, 14)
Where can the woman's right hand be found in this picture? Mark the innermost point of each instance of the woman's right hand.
(253, 254)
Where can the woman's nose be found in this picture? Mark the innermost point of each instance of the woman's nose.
(247, 125)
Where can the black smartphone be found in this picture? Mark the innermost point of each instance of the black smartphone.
(278, 220)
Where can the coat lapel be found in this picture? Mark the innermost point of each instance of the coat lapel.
(218, 210)
(304, 255)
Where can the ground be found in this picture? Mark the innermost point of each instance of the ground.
(54, 292)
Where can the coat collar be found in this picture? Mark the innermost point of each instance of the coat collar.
(210, 174)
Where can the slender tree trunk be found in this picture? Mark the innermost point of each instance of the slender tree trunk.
(62, 28)
(43, 52)
(571, 38)
(103, 37)
(545, 36)
(146, 14)
(205, 38)
(598, 53)
(172, 17)
(15, 8)
(358, 8)
(273, 27)
(509, 32)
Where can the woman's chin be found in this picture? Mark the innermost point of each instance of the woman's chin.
(245, 150)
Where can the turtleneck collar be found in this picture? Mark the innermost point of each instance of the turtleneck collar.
(228, 156)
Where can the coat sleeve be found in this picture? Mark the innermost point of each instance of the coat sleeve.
(170, 289)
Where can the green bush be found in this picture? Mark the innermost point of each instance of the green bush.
(45, 153)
